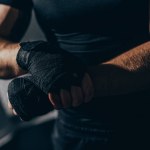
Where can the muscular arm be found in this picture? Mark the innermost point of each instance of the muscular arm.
(9, 19)
(126, 73)
(123, 74)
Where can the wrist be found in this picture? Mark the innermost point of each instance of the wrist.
(100, 76)
(17, 69)
(24, 52)
(12, 66)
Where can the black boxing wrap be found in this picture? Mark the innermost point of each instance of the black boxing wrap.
(28, 100)
(51, 67)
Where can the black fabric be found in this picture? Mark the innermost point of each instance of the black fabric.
(108, 17)
(28, 100)
(94, 30)
(51, 67)
(130, 132)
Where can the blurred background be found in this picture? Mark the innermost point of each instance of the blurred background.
(18, 135)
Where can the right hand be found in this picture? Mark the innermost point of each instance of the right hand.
(51, 67)
(52, 70)
(26, 100)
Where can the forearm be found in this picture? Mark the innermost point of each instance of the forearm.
(8, 65)
(123, 74)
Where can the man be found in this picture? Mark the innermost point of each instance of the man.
(128, 71)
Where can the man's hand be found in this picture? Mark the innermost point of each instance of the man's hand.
(23, 96)
(51, 67)
(75, 96)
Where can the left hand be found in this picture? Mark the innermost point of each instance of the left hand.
(75, 96)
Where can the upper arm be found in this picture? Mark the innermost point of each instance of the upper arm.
(8, 17)
(14, 18)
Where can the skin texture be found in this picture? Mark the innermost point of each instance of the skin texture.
(126, 73)
(97, 82)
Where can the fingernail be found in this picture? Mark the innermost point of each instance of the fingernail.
(55, 101)
(14, 112)
(9, 105)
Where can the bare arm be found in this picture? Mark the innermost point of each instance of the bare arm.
(126, 73)
(8, 46)
(8, 65)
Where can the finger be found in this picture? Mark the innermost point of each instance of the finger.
(14, 112)
(9, 105)
(55, 100)
(11, 108)
(77, 96)
(65, 98)
(87, 87)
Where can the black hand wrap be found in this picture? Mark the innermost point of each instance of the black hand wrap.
(51, 67)
(28, 100)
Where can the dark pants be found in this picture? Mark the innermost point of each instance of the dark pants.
(79, 136)
(130, 136)
(129, 129)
